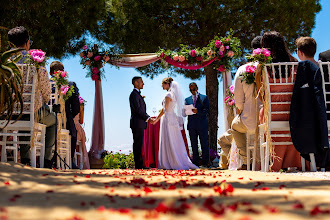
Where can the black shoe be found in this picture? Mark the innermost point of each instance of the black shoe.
(26, 161)
(48, 164)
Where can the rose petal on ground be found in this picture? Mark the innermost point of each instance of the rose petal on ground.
(298, 206)
(101, 209)
(7, 183)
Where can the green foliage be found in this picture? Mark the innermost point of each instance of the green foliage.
(11, 84)
(69, 93)
(57, 27)
(119, 161)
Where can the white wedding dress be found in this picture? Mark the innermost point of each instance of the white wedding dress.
(172, 150)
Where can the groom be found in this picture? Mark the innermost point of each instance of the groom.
(139, 119)
(198, 124)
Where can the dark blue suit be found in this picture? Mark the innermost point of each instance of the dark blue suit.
(138, 124)
(308, 119)
(198, 126)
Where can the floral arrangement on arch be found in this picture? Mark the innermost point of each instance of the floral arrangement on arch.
(61, 79)
(93, 59)
(260, 56)
(229, 100)
(222, 49)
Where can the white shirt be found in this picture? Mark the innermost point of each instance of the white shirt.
(245, 99)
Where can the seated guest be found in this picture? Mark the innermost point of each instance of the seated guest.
(72, 108)
(81, 136)
(225, 140)
(20, 38)
(308, 119)
(285, 155)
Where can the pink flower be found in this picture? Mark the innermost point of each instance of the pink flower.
(97, 58)
(87, 62)
(64, 89)
(82, 54)
(221, 68)
(227, 40)
(250, 69)
(63, 74)
(230, 53)
(217, 43)
(226, 99)
(231, 102)
(95, 70)
(209, 53)
(192, 53)
(95, 77)
(220, 53)
(37, 55)
(256, 51)
(265, 52)
(227, 47)
(162, 54)
(85, 47)
(106, 58)
(222, 48)
(81, 100)
(176, 57)
(231, 89)
(181, 58)
(89, 54)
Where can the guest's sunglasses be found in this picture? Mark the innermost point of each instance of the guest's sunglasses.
(193, 90)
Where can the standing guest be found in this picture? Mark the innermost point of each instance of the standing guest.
(139, 119)
(308, 119)
(20, 38)
(72, 108)
(198, 125)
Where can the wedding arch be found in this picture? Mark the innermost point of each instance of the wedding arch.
(220, 52)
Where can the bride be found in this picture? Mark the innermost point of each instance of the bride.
(172, 151)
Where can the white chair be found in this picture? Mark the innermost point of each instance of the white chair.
(30, 77)
(251, 147)
(279, 110)
(325, 72)
(64, 148)
(79, 154)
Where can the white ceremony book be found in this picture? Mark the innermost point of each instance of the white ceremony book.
(188, 109)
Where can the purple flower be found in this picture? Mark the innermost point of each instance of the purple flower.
(95, 77)
(37, 55)
(192, 53)
(81, 100)
(221, 68)
(217, 43)
(265, 52)
(227, 47)
(220, 53)
(95, 70)
(97, 58)
(85, 47)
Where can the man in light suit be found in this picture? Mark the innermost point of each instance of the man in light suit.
(198, 124)
(139, 119)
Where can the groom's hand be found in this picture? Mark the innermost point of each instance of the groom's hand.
(194, 110)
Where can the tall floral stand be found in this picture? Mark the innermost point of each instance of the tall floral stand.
(97, 146)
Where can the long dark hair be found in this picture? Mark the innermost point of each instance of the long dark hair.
(274, 41)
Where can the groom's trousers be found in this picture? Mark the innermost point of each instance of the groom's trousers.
(138, 135)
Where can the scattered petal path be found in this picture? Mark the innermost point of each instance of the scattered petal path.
(159, 194)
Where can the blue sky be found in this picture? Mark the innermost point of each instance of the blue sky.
(117, 87)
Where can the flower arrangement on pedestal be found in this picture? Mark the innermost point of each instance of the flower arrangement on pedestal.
(220, 51)
(229, 100)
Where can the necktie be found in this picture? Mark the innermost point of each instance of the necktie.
(195, 99)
